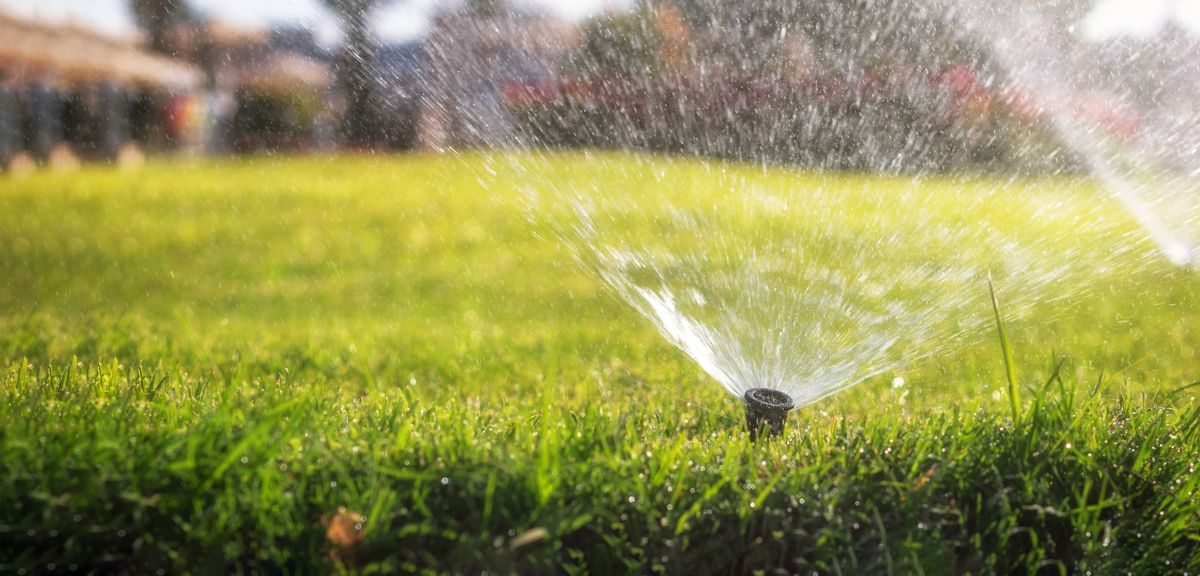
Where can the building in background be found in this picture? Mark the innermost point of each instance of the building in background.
(68, 92)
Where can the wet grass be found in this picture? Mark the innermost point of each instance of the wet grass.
(309, 365)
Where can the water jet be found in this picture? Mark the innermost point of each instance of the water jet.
(766, 411)
(798, 286)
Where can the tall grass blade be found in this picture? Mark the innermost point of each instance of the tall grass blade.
(1010, 366)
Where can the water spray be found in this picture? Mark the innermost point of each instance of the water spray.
(766, 411)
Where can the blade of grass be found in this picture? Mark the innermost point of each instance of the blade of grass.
(1185, 388)
(1010, 366)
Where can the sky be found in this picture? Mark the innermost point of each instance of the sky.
(402, 20)
(1140, 18)
(395, 21)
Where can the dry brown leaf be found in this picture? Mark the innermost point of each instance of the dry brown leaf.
(345, 529)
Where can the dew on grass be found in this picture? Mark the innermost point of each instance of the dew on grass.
(774, 277)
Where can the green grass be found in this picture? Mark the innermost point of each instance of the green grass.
(203, 363)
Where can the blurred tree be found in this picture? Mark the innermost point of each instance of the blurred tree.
(848, 36)
(620, 45)
(361, 125)
(158, 19)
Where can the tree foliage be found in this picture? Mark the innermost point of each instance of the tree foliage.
(157, 18)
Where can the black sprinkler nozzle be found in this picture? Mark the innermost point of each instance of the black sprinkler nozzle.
(766, 411)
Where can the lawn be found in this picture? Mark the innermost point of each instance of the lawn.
(381, 365)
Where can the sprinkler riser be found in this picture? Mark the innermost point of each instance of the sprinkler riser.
(766, 411)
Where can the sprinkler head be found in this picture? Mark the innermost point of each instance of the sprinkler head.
(766, 411)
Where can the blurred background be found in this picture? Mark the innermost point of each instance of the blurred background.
(828, 83)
